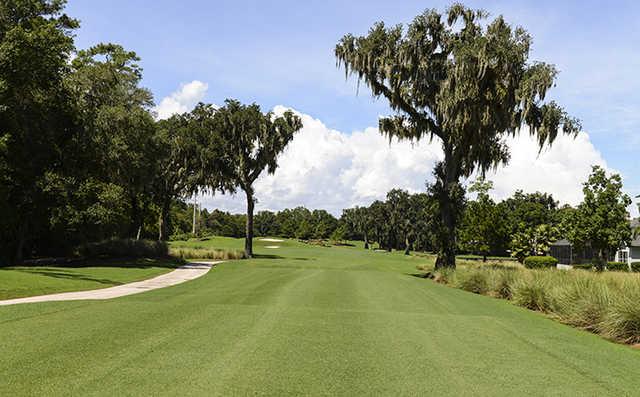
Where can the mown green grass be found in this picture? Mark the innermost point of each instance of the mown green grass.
(23, 281)
(305, 320)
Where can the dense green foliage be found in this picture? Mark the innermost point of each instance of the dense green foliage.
(82, 157)
(403, 221)
(618, 266)
(540, 262)
(124, 248)
(460, 80)
(300, 223)
(601, 220)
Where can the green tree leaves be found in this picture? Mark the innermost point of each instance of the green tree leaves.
(601, 220)
(461, 80)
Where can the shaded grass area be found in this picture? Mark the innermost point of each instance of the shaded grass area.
(305, 320)
(23, 281)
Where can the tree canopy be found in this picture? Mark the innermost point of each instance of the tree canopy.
(250, 142)
(462, 81)
(601, 220)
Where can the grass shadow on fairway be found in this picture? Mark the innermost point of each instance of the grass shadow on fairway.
(59, 273)
(272, 256)
(124, 263)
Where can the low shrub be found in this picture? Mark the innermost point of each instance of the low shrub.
(197, 253)
(635, 267)
(124, 248)
(617, 267)
(583, 266)
(476, 281)
(540, 262)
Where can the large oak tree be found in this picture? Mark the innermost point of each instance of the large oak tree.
(463, 81)
(250, 143)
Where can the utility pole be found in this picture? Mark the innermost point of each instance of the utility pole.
(195, 204)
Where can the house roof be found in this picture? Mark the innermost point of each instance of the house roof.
(563, 242)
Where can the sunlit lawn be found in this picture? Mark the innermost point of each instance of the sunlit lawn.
(305, 320)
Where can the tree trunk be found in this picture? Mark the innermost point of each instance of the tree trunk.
(163, 224)
(406, 245)
(22, 235)
(248, 240)
(449, 179)
(136, 218)
(366, 242)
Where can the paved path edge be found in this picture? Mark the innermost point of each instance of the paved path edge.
(180, 275)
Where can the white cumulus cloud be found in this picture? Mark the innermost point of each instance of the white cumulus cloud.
(332, 170)
(183, 100)
(560, 169)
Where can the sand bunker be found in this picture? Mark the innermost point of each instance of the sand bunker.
(271, 246)
(272, 240)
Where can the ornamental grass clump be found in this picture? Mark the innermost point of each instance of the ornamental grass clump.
(533, 291)
(605, 303)
(474, 280)
(503, 282)
(582, 301)
(196, 253)
(622, 321)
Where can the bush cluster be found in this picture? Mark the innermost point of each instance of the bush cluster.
(635, 267)
(540, 262)
(124, 248)
(583, 266)
(617, 267)
(605, 303)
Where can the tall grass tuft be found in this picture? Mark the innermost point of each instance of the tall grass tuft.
(606, 303)
(583, 301)
(476, 281)
(200, 253)
(503, 282)
(444, 276)
(622, 321)
(532, 291)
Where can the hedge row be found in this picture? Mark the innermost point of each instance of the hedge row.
(540, 262)
(124, 248)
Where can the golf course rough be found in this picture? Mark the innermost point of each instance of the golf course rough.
(305, 320)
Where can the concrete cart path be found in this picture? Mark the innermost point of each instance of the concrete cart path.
(184, 273)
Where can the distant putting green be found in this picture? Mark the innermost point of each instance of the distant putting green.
(23, 281)
(304, 320)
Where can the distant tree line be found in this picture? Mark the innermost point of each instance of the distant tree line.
(300, 223)
(523, 225)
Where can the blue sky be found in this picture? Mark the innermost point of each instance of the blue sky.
(281, 53)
